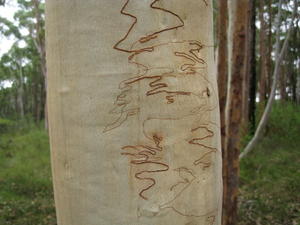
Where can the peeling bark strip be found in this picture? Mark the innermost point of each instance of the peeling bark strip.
(133, 112)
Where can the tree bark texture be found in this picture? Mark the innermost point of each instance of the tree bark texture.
(263, 50)
(252, 70)
(133, 112)
(222, 63)
(223, 77)
(234, 110)
(39, 42)
(297, 94)
(269, 45)
(250, 64)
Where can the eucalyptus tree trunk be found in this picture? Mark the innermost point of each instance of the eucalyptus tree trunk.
(280, 52)
(133, 112)
(234, 108)
(252, 67)
(222, 67)
(298, 87)
(263, 51)
(20, 90)
(39, 42)
(250, 62)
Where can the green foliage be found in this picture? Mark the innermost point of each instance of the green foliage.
(8, 28)
(270, 180)
(26, 195)
(285, 119)
(22, 64)
(5, 125)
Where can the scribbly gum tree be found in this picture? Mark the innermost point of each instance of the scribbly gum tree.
(133, 112)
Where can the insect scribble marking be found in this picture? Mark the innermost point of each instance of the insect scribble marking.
(165, 84)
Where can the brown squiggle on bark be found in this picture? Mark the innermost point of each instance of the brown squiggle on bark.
(156, 86)
(142, 158)
(192, 57)
(195, 46)
(122, 101)
(189, 68)
(194, 141)
(185, 182)
(150, 36)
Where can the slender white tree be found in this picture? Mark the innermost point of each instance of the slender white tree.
(279, 56)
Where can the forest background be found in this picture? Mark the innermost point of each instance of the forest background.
(257, 53)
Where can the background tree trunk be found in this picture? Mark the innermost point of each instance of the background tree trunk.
(223, 78)
(263, 54)
(252, 70)
(269, 45)
(133, 112)
(39, 42)
(234, 109)
(222, 63)
(279, 56)
(249, 61)
(298, 86)
(283, 83)
(20, 98)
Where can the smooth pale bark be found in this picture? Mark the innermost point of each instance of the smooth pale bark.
(133, 112)
(237, 48)
(279, 56)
